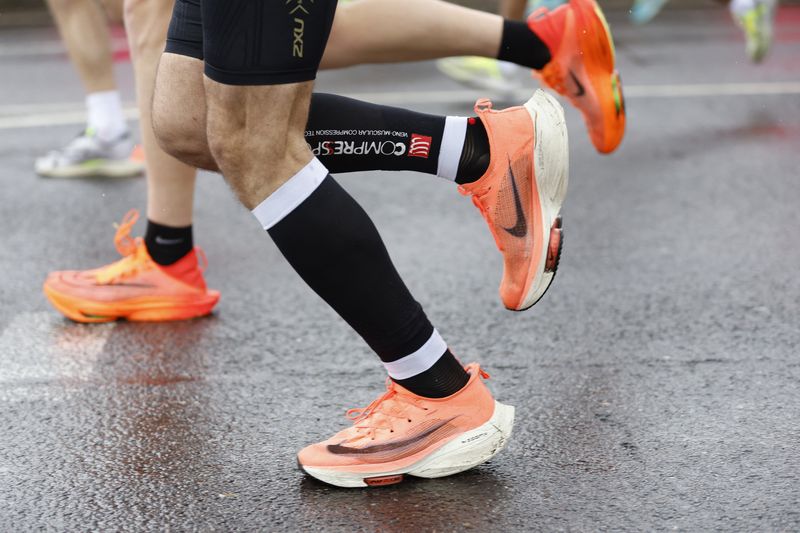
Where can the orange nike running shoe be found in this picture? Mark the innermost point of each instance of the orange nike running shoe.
(401, 433)
(521, 193)
(135, 287)
(582, 67)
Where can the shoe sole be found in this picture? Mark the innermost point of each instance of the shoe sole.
(100, 169)
(597, 47)
(758, 34)
(504, 88)
(551, 172)
(461, 453)
(138, 310)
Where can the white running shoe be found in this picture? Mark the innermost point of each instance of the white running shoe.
(88, 156)
(756, 18)
(481, 73)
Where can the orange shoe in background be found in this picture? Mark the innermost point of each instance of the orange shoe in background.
(135, 287)
(401, 433)
(520, 194)
(583, 68)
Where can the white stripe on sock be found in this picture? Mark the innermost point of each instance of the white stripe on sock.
(290, 194)
(455, 131)
(419, 361)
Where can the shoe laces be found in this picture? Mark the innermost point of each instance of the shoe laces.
(380, 414)
(133, 252)
(123, 241)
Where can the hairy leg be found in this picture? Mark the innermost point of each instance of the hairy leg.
(84, 29)
(390, 31)
(170, 183)
(257, 156)
(179, 109)
(513, 9)
(114, 10)
(363, 31)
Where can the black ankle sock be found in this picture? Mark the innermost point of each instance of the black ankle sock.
(475, 154)
(166, 244)
(444, 378)
(521, 46)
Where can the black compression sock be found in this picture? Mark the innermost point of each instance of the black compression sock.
(444, 378)
(521, 46)
(347, 265)
(349, 135)
(166, 244)
(475, 154)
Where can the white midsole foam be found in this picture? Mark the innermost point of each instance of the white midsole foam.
(551, 166)
(109, 169)
(468, 450)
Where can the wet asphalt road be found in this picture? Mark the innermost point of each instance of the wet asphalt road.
(657, 384)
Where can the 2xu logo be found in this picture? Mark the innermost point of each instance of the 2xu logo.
(420, 146)
(298, 30)
(297, 44)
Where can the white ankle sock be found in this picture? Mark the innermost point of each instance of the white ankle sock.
(739, 7)
(105, 114)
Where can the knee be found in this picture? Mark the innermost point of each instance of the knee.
(238, 152)
(255, 165)
(181, 137)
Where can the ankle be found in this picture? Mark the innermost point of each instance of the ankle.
(167, 244)
(475, 155)
(445, 378)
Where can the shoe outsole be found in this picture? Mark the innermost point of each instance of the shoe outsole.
(461, 453)
(551, 171)
(553, 260)
(105, 169)
(140, 310)
(502, 87)
(597, 45)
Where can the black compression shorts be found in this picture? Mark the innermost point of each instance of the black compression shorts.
(253, 42)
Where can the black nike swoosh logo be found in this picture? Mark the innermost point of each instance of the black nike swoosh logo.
(520, 228)
(339, 449)
(581, 91)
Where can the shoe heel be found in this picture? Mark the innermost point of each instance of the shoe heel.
(551, 152)
(551, 167)
(471, 448)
